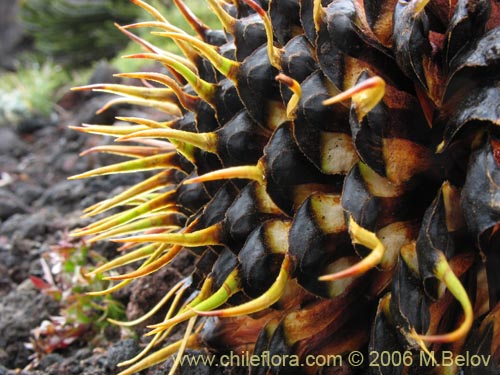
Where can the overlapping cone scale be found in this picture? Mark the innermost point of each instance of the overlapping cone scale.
(334, 164)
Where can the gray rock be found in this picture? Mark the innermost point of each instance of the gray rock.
(20, 311)
(10, 204)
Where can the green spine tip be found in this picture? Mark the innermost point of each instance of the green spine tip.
(229, 68)
(365, 95)
(230, 286)
(228, 22)
(271, 296)
(142, 164)
(368, 239)
(150, 268)
(204, 141)
(158, 181)
(124, 259)
(251, 172)
(167, 107)
(188, 101)
(203, 237)
(150, 9)
(166, 220)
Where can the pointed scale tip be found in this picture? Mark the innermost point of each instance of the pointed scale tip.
(204, 89)
(271, 296)
(150, 9)
(228, 22)
(445, 274)
(251, 172)
(188, 101)
(294, 86)
(368, 239)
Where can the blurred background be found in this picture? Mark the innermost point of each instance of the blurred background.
(46, 47)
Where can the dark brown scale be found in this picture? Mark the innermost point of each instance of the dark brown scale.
(241, 141)
(286, 168)
(339, 35)
(241, 216)
(306, 18)
(204, 161)
(410, 41)
(191, 197)
(298, 59)
(433, 240)
(285, 17)
(247, 212)
(207, 162)
(468, 23)
(212, 212)
(262, 345)
(312, 112)
(205, 117)
(298, 62)
(406, 125)
(314, 244)
(384, 336)
(248, 35)
(257, 86)
(223, 266)
(279, 346)
(227, 101)
(313, 119)
(203, 267)
(375, 212)
(479, 197)
(260, 261)
(186, 123)
(379, 15)
(224, 104)
(409, 306)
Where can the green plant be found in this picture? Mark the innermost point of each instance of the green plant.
(30, 91)
(76, 32)
(361, 149)
(81, 312)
